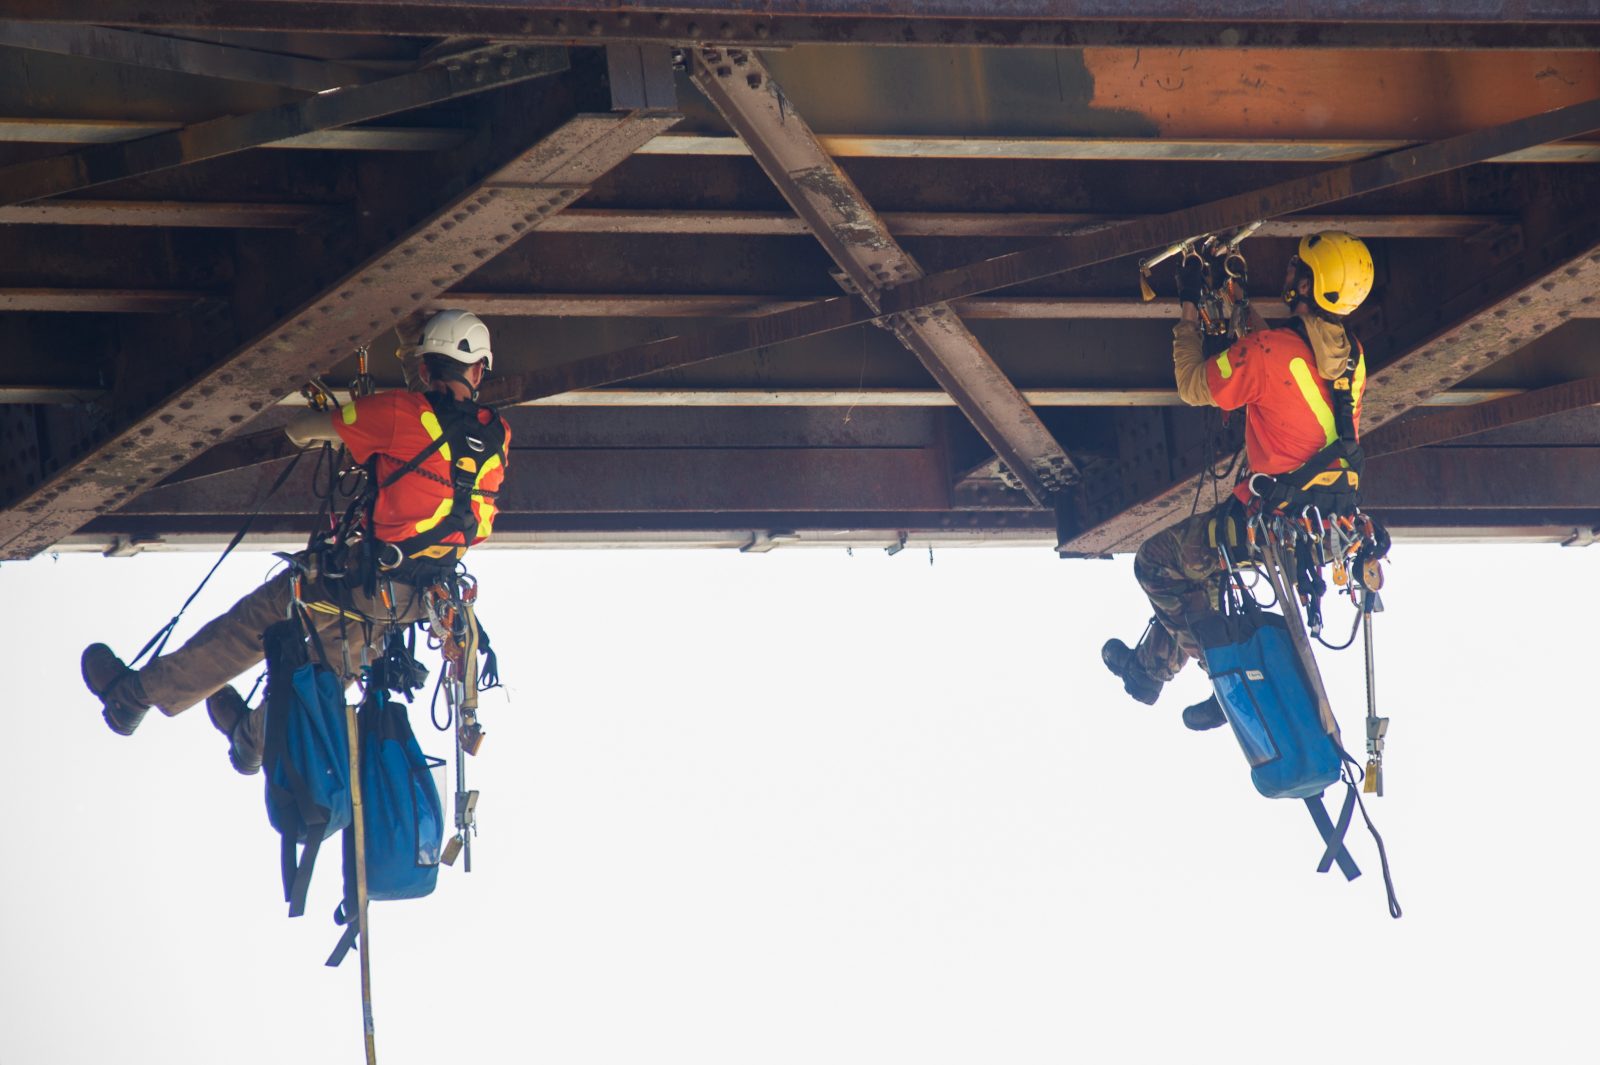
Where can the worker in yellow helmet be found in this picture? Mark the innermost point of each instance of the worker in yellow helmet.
(1296, 383)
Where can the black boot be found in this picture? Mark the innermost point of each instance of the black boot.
(244, 727)
(1120, 660)
(1204, 715)
(116, 686)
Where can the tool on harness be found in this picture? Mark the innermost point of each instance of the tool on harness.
(1266, 680)
(454, 629)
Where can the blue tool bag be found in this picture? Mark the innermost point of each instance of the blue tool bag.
(404, 820)
(402, 817)
(306, 756)
(1270, 703)
(1258, 680)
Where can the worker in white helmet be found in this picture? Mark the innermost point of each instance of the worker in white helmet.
(435, 461)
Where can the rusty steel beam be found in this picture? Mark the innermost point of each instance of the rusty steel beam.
(458, 76)
(705, 305)
(1472, 478)
(165, 214)
(1537, 288)
(1040, 25)
(702, 305)
(1110, 149)
(118, 131)
(1059, 256)
(1004, 224)
(99, 301)
(637, 481)
(202, 58)
(397, 281)
(1438, 428)
(739, 85)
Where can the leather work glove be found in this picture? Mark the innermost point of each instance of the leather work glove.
(1191, 279)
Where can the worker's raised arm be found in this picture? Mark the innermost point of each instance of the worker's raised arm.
(1188, 361)
(311, 427)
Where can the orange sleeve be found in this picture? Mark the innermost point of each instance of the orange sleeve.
(367, 426)
(1234, 376)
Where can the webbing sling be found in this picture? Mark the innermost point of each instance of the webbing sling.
(1333, 835)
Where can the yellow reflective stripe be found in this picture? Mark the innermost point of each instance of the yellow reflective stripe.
(348, 413)
(329, 608)
(1358, 383)
(1307, 380)
(430, 422)
(439, 515)
(486, 508)
(1224, 367)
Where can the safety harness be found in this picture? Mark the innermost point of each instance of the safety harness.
(1330, 480)
(468, 445)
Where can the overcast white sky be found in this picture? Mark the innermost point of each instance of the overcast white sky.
(806, 807)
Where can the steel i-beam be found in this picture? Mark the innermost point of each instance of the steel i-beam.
(1062, 255)
(400, 279)
(457, 76)
(856, 239)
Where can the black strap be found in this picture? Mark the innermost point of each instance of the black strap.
(1353, 774)
(159, 640)
(346, 942)
(1333, 837)
(296, 886)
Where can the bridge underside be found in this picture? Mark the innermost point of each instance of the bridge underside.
(802, 275)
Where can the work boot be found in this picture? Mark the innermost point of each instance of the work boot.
(1119, 659)
(116, 686)
(1204, 715)
(244, 727)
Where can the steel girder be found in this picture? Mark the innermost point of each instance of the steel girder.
(457, 77)
(187, 57)
(1422, 24)
(398, 280)
(1482, 417)
(1059, 256)
(1536, 290)
(838, 216)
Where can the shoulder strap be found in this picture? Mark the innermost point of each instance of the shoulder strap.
(446, 433)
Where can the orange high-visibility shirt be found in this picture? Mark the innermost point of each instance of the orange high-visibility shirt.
(397, 426)
(1288, 405)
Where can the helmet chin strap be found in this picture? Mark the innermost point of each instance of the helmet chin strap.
(452, 373)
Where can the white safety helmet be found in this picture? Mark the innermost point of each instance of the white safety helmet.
(460, 335)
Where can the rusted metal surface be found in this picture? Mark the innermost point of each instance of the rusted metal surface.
(641, 480)
(1548, 280)
(87, 167)
(740, 86)
(1403, 435)
(397, 281)
(98, 301)
(1085, 249)
(165, 214)
(350, 138)
(1110, 149)
(1058, 256)
(999, 224)
(1485, 479)
(175, 54)
(973, 23)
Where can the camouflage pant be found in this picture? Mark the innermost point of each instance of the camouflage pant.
(1177, 568)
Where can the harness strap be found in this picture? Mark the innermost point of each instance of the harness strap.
(1333, 836)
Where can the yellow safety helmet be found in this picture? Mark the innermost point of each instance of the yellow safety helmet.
(1341, 270)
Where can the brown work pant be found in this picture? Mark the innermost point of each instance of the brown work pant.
(230, 644)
